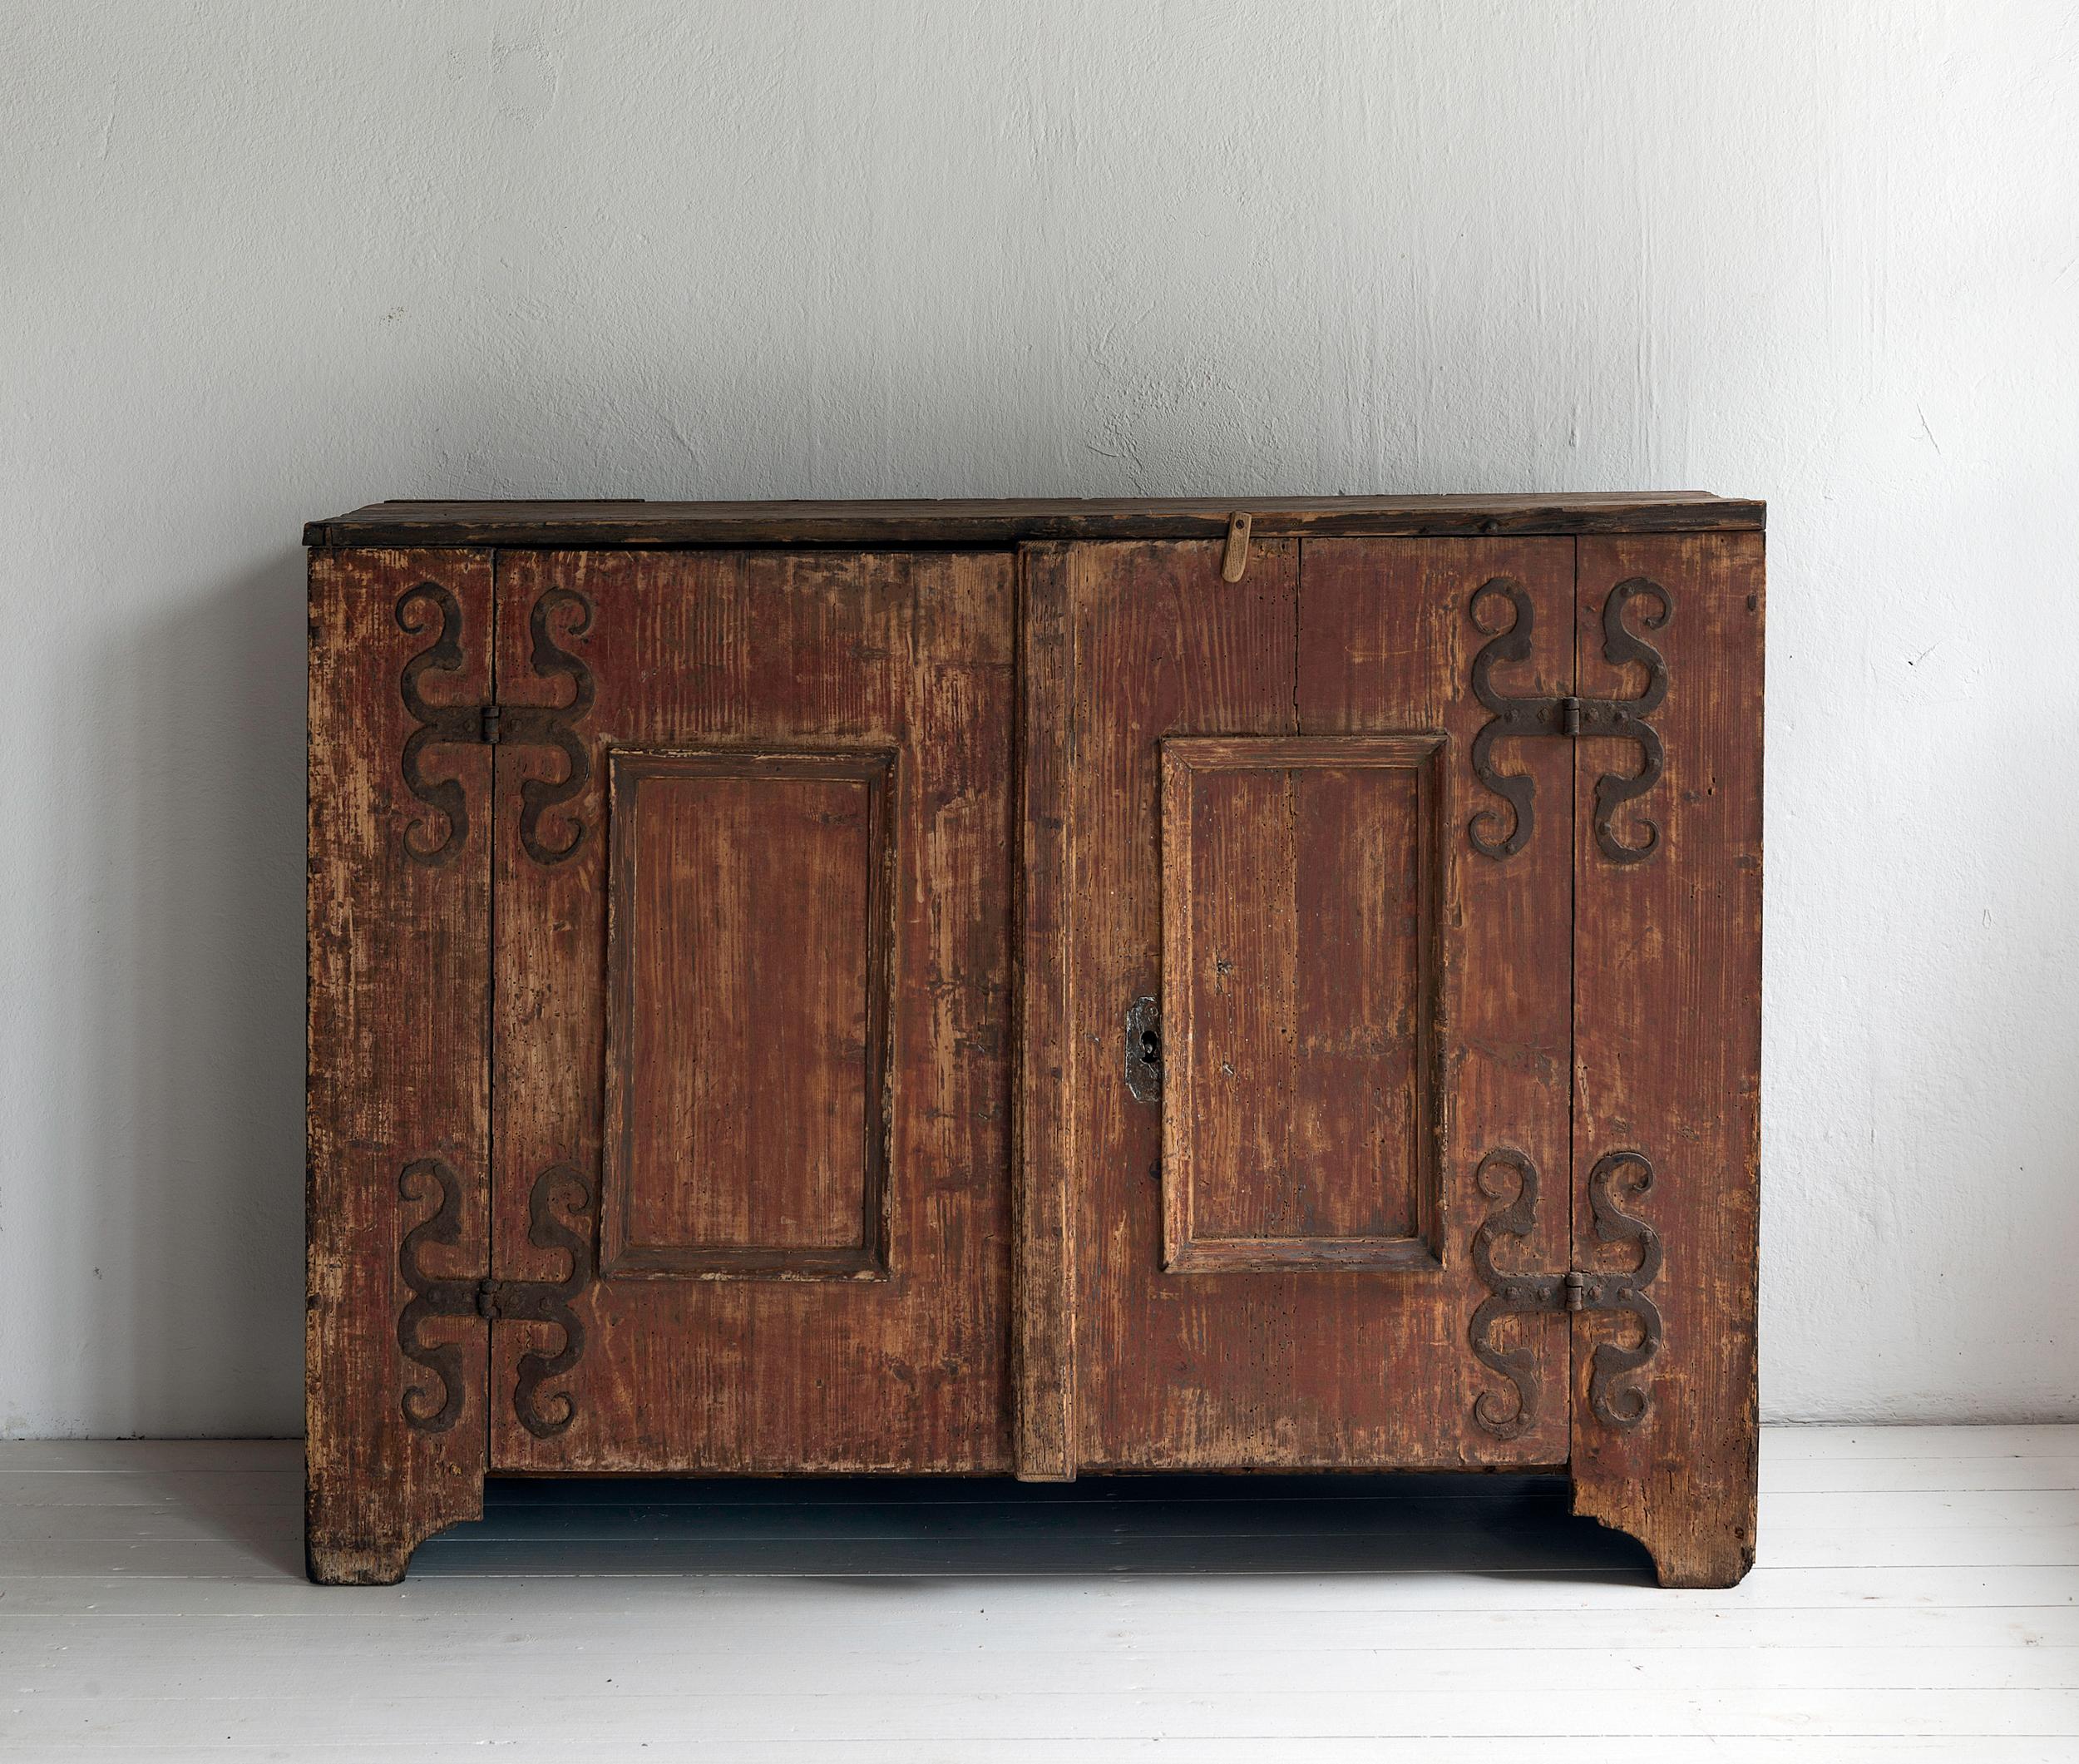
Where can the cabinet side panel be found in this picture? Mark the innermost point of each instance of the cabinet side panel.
(396, 1088)
(1668, 952)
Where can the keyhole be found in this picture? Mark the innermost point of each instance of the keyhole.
(1143, 1051)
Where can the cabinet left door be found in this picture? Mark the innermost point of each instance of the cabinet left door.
(751, 911)
(398, 1083)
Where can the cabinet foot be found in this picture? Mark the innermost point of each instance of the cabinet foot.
(356, 1538)
(1699, 1534)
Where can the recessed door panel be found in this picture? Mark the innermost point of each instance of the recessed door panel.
(1301, 887)
(749, 937)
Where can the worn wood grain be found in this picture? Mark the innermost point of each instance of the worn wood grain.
(399, 990)
(1011, 521)
(1042, 1329)
(1667, 1053)
(824, 651)
(1301, 899)
(748, 944)
(1387, 642)
(1200, 1370)
(1161, 644)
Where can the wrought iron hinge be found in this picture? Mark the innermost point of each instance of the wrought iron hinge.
(539, 725)
(1517, 719)
(1619, 1292)
(559, 1218)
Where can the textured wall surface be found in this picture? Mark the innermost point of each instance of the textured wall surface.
(263, 262)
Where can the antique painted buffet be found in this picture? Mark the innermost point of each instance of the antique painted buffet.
(1035, 988)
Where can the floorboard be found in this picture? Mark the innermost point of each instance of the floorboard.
(1917, 1596)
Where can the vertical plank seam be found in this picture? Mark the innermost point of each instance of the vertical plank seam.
(315, 1433)
(1288, 1174)
(1039, 1320)
(490, 1190)
(1573, 1326)
(1016, 1334)
(1299, 560)
(1069, 1100)
(1068, 1111)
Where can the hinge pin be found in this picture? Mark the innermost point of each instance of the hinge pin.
(487, 1299)
(1570, 715)
(1577, 1287)
(487, 728)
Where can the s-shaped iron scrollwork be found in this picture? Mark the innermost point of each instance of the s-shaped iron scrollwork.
(550, 725)
(1508, 1295)
(1510, 718)
(1625, 1405)
(559, 1218)
(1513, 718)
(539, 725)
(436, 724)
(432, 1296)
(1513, 1294)
(550, 1301)
(1627, 717)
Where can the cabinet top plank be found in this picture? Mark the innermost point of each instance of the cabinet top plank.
(1001, 521)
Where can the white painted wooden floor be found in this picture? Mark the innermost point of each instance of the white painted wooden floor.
(1918, 1597)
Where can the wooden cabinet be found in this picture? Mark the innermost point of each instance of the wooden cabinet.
(1034, 988)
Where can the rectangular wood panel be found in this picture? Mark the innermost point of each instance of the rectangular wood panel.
(1667, 1053)
(823, 652)
(748, 973)
(398, 1079)
(1300, 884)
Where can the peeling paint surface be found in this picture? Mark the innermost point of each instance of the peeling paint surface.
(259, 264)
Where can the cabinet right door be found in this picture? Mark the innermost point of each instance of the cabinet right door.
(1299, 1005)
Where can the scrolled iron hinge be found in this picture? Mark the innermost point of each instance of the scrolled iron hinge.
(1518, 719)
(1619, 1292)
(559, 1218)
(538, 725)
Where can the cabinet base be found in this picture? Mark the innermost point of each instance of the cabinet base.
(372, 1544)
(1698, 1537)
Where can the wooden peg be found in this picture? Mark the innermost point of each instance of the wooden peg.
(1235, 559)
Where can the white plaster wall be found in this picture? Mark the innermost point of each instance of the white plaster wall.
(264, 260)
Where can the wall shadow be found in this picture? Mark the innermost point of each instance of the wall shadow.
(196, 1234)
